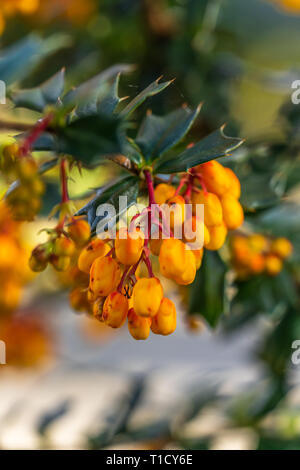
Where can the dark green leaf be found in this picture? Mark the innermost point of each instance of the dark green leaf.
(89, 138)
(151, 90)
(215, 145)
(207, 293)
(38, 98)
(160, 133)
(127, 186)
(93, 90)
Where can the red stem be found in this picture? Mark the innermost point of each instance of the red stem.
(64, 181)
(37, 130)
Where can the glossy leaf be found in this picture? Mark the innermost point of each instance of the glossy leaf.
(38, 98)
(127, 186)
(154, 88)
(207, 293)
(160, 133)
(215, 145)
(89, 138)
(91, 91)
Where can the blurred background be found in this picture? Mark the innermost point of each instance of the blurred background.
(70, 382)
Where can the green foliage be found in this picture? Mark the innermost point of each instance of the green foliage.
(215, 145)
(207, 296)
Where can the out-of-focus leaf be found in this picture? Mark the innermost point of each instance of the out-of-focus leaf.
(277, 348)
(37, 98)
(207, 293)
(91, 91)
(160, 133)
(215, 145)
(18, 60)
(128, 186)
(89, 138)
(154, 88)
(262, 190)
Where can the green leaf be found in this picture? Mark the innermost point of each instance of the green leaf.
(215, 145)
(154, 88)
(18, 60)
(160, 133)
(128, 186)
(262, 190)
(91, 91)
(39, 97)
(207, 293)
(89, 138)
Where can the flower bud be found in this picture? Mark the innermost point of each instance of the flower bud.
(64, 246)
(79, 301)
(189, 273)
(139, 327)
(215, 177)
(80, 232)
(177, 211)
(60, 263)
(217, 236)
(213, 214)
(273, 265)
(105, 275)
(147, 296)
(233, 213)
(129, 246)
(163, 192)
(282, 247)
(95, 249)
(115, 310)
(164, 322)
(235, 185)
(198, 228)
(98, 308)
(172, 257)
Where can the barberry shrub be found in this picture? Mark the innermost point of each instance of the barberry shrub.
(84, 126)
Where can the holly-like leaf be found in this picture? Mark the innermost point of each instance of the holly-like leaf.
(207, 293)
(215, 145)
(128, 186)
(39, 97)
(154, 88)
(17, 61)
(89, 138)
(160, 133)
(262, 190)
(93, 90)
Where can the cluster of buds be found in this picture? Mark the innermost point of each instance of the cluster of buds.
(25, 197)
(60, 247)
(14, 272)
(115, 290)
(256, 254)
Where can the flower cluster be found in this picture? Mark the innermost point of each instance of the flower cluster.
(256, 254)
(115, 291)
(25, 197)
(14, 271)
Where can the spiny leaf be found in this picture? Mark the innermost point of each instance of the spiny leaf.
(127, 186)
(207, 295)
(215, 145)
(39, 97)
(160, 133)
(154, 88)
(89, 138)
(17, 61)
(95, 88)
